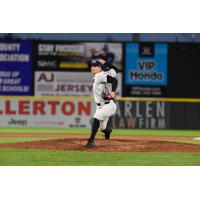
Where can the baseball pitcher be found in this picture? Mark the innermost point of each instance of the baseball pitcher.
(104, 87)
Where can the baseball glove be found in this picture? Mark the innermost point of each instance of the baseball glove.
(107, 96)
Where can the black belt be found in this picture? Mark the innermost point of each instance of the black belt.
(98, 104)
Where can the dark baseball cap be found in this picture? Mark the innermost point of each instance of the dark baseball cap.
(95, 63)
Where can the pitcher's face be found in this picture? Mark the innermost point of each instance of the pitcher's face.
(95, 69)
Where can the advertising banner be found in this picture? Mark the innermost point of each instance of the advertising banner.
(55, 55)
(15, 68)
(146, 69)
(142, 115)
(57, 113)
(67, 84)
(79, 113)
(46, 113)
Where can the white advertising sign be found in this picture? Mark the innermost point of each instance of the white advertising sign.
(67, 84)
(46, 113)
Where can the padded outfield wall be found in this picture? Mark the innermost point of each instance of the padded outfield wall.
(57, 68)
(76, 112)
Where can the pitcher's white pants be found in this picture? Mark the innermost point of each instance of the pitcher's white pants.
(104, 112)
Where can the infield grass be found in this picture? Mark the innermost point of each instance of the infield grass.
(11, 157)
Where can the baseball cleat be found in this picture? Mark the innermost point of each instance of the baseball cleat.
(107, 132)
(90, 144)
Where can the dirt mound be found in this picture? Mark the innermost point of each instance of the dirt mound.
(114, 145)
(81, 136)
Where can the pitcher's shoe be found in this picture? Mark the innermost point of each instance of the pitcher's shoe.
(107, 132)
(90, 143)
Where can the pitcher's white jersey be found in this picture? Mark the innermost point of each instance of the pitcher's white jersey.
(100, 83)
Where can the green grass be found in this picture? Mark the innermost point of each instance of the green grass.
(16, 157)
(11, 157)
(13, 140)
(143, 132)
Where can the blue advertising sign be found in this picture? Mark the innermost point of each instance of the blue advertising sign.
(146, 64)
(15, 68)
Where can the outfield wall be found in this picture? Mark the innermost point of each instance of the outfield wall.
(74, 112)
(59, 68)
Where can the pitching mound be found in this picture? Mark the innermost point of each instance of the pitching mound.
(114, 145)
